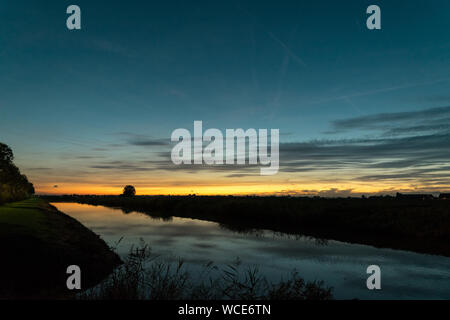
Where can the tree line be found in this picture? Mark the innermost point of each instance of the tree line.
(14, 186)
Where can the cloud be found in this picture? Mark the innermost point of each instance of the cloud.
(436, 98)
(87, 157)
(149, 142)
(377, 121)
(407, 148)
(143, 140)
(380, 90)
(405, 159)
(112, 48)
(420, 159)
(331, 192)
(402, 158)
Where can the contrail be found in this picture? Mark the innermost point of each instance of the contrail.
(295, 57)
(287, 49)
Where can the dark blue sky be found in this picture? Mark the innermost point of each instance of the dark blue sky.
(140, 69)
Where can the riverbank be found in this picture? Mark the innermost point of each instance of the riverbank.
(408, 224)
(38, 243)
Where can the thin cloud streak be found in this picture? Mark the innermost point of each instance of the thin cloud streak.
(376, 91)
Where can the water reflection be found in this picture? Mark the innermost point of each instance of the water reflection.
(341, 265)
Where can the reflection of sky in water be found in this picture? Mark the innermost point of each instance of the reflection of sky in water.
(340, 265)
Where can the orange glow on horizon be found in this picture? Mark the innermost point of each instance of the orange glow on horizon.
(255, 189)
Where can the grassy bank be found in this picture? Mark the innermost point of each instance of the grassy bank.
(409, 224)
(38, 243)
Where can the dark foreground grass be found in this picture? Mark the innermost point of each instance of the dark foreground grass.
(38, 243)
(147, 277)
(408, 224)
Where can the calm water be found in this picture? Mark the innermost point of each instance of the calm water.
(405, 275)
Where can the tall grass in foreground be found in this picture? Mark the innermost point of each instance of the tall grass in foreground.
(144, 276)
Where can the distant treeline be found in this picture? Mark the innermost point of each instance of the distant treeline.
(421, 225)
(14, 186)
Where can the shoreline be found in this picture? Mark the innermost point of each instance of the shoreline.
(39, 243)
(421, 226)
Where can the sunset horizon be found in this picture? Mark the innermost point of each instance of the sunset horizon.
(225, 156)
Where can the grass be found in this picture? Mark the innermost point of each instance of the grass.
(38, 243)
(147, 277)
(24, 217)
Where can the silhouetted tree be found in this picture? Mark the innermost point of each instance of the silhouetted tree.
(6, 155)
(129, 191)
(14, 186)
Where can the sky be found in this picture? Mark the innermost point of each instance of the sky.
(359, 111)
